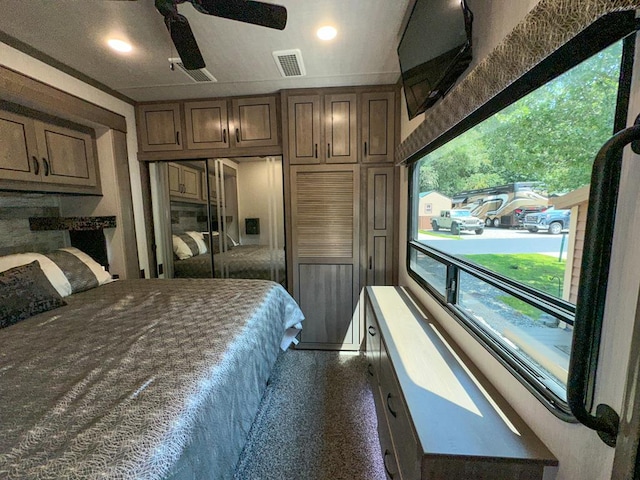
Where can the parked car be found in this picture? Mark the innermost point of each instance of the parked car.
(457, 221)
(522, 212)
(552, 220)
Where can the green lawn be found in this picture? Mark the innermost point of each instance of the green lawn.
(543, 272)
(443, 235)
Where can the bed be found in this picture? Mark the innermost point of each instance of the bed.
(192, 260)
(153, 379)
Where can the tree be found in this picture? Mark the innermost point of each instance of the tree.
(551, 135)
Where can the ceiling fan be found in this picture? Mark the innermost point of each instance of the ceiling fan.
(247, 11)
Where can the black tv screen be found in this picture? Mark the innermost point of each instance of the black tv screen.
(434, 51)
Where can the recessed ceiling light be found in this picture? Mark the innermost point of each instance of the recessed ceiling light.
(327, 33)
(119, 45)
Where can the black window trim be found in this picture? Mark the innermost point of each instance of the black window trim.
(603, 33)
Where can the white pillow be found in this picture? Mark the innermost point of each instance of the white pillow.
(98, 270)
(55, 275)
(199, 238)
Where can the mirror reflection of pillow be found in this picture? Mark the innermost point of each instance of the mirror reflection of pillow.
(184, 246)
(199, 238)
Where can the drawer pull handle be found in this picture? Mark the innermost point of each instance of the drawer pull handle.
(384, 461)
(370, 370)
(372, 331)
(393, 412)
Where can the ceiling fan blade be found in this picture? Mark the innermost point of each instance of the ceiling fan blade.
(247, 11)
(185, 42)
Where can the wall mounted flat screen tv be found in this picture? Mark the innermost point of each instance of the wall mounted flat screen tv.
(434, 51)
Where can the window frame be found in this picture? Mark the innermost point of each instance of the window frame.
(603, 33)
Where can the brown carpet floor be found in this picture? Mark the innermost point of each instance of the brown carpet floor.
(317, 421)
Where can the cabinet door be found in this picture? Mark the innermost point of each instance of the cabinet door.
(378, 127)
(304, 129)
(67, 155)
(325, 239)
(380, 249)
(190, 183)
(341, 136)
(175, 183)
(212, 188)
(18, 150)
(207, 124)
(160, 127)
(255, 122)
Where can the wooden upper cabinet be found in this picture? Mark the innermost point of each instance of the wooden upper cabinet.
(378, 127)
(34, 151)
(160, 127)
(304, 129)
(207, 124)
(18, 152)
(341, 135)
(67, 155)
(255, 122)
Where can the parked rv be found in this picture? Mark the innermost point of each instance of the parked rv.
(500, 206)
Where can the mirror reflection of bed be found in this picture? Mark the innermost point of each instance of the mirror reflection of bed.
(235, 222)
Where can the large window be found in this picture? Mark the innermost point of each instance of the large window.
(501, 247)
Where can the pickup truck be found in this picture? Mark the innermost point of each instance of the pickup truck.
(457, 221)
(552, 220)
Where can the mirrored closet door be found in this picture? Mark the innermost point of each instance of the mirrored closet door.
(221, 218)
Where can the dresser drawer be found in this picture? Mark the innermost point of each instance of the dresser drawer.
(396, 412)
(384, 435)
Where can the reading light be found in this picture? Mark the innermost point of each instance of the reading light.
(327, 33)
(119, 45)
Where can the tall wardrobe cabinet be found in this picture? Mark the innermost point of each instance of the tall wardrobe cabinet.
(338, 160)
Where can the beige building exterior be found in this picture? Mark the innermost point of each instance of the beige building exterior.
(429, 206)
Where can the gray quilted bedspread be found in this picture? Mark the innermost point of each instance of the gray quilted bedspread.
(139, 379)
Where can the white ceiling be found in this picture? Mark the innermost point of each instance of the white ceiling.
(74, 32)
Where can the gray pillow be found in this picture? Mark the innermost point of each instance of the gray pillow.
(26, 291)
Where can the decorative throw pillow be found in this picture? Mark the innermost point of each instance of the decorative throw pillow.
(25, 291)
(79, 275)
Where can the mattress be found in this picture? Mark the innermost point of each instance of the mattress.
(140, 379)
(241, 261)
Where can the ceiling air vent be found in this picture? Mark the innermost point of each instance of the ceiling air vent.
(199, 76)
(290, 63)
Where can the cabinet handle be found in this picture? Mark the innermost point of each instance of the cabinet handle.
(328, 150)
(36, 166)
(224, 135)
(372, 331)
(365, 149)
(393, 412)
(384, 461)
(370, 369)
(46, 167)
(237, 135)
(178, 138)
(370, 262)
(316, 150)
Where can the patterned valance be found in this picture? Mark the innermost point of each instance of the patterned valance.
(72, 223)
(546, 28)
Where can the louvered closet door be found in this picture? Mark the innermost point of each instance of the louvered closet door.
(325, 239)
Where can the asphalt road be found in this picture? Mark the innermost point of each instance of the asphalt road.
(498, 240)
